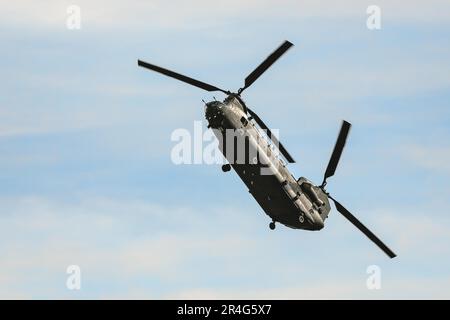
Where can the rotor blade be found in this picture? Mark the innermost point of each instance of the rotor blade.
(363, 228)
(266, 64)
(337, 151)
(172, 74)
(272, 137)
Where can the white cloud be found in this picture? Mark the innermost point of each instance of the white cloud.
(419, 233)
(141, 15)
(107, 239)
(117, 241)
(431, 157)
(343, 288)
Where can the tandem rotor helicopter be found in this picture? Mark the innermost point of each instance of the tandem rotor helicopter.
(296, 203)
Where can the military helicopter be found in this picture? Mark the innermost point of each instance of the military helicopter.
(295, 203)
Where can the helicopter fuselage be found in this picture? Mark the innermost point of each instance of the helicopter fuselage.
(295, 203)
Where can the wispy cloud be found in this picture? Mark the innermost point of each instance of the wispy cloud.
(430, 157)
(81, 127)
(174, 250)
(95, 235)
(344, 288)
(201, 13)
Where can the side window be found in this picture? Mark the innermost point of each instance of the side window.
(244, 121)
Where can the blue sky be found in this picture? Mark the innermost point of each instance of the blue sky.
(85, 169)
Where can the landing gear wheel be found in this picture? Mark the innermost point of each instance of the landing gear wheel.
(226, 167)
(272, 225)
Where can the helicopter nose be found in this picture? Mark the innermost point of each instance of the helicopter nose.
(214, 113)
(213, 105)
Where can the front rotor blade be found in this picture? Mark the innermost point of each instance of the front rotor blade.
(266, 64)
(280, 147)
(172, 74)
(363, 228)
(337, 151)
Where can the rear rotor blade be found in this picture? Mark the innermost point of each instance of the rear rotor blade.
(280, 147)
(363, 228)
(266, 64)
(172, 74)
(337, 151)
